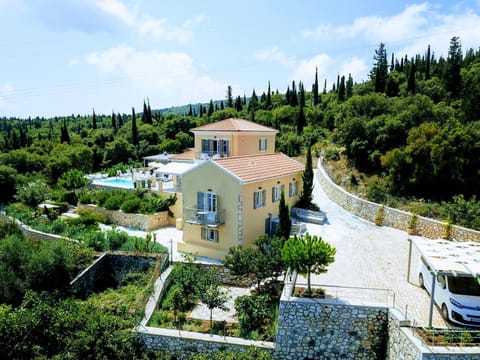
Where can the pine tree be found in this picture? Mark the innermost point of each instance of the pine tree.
(229, 97)
(307, 177)
(94, 120)
(341, 89)
(134, 129)
(316, 97)
(453, 76)
(381, 68)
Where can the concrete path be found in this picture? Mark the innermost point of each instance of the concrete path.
(370, 257)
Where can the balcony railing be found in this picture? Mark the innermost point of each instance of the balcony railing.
(194, 215)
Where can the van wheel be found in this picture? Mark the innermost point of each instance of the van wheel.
(420, 281)
(445, 312)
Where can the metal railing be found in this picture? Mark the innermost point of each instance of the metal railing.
(195, 215)
(447, 337)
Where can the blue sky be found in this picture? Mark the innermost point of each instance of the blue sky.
(62, 57)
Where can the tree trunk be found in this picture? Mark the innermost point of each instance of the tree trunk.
(309, 288)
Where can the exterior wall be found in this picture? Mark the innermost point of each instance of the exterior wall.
(144, 222)
(176, 209)
(208, 176)
(398, 219)
(316, 329)
(241, 143)
(246, 143)
(183, 344)
(254, 219)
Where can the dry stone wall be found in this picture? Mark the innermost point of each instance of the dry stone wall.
(139, 221)
(395, 218)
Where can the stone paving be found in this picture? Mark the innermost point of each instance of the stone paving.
(369, 256)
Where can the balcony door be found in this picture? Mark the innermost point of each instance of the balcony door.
(207, 202)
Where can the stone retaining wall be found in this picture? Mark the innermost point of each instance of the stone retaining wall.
(183, 344)
(309, 329)
(395, 218)
(138, 221)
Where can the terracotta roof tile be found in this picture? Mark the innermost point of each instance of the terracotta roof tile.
(188, 154)
(254, 168)
(234, 125)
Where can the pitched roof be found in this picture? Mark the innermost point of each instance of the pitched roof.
(187, 154)
(254, 168)
(234, 125)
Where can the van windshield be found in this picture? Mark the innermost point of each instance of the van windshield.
(463, 285)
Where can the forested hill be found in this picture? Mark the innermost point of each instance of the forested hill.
(415, 124)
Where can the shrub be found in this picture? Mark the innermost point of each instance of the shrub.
(96, 240)
(101, 197)
(116, 239)
(332, 154)
(114, 202)
(131, 205)
(86, 198)
(58, 226)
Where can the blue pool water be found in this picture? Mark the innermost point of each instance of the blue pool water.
(117, 182)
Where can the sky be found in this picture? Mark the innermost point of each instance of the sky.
(64, 57)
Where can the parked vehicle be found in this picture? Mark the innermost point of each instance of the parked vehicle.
(456, 293)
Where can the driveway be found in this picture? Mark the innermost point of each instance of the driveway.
(369, 256)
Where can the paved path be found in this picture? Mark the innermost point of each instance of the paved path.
(372, 257)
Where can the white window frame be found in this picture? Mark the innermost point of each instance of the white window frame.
(293, 188)
(259, 198)
(209, 234)
(276, 192)
(262, 144)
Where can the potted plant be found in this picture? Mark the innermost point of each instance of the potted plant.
(380, 215)
(412, 224)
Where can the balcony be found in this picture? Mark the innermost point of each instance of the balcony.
(205, 155)
(194, 215)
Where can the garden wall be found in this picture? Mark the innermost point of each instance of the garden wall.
(138, 221)
(395, 218)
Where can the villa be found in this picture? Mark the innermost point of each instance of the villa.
(232, 196)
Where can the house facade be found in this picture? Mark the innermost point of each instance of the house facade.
(232, 201)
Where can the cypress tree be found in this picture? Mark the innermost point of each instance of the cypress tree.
(269, 98)
(301, 94)
(284, 220)
(411, 86)
(114, 122)
(190, 110)
(325, 86)
(293, 95)
(94, 120)
(149, 113)
(253, 103)
(144, 113)
(229, 97)
(301, 121)
(341, 89)
(238, 103)
(315, 88)
(119, 121)
(222, 106)
(381, 68)
(453, 77)
(134, 129)
(307, 177)
(349, 87)
(427, 63)
(210, 108)
(288, 96)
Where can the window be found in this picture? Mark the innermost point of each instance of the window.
(215, 146)
(207, 201)
(259, 198)
(293, 188)
(209, 234)
(262, 144)
(277, 192)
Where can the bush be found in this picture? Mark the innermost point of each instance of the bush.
(131, 205)
(101, 197)
(58, 227)
(116, 239)
(114, 202)
(86, 198)
(65, 196)
(96, 240)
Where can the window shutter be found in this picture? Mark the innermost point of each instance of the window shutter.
(200, 200)
(255, 199)
(264, 197)
(273, 194)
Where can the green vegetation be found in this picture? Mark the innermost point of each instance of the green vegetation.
(308, 255)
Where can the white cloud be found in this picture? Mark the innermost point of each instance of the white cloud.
(356, 67)
(274, 54)
(171, 77)
(320, 31)
(305, 69)
(147, 25)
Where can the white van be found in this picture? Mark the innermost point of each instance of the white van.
(457, 296)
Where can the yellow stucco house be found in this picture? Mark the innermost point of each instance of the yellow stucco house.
(232, 197)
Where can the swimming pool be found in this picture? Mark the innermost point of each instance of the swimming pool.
(115, 182)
